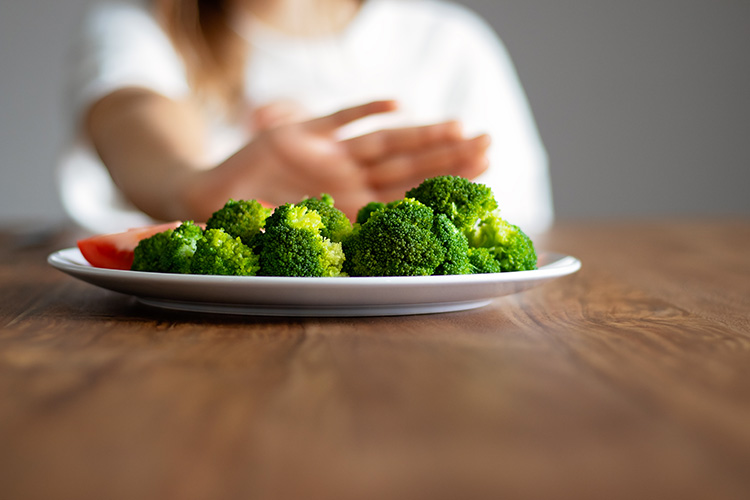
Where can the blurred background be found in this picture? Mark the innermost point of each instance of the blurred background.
(643, 105)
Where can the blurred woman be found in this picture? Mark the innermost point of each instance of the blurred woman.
(188, 103)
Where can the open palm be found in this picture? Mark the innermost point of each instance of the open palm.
(307, 158)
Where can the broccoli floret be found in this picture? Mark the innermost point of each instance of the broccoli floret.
(446, 225)
(398, 240)
(482, 261)
(181, 247)
(462, 201)
(217, 252)
(511, 247)
(365, 212)
(170, 251)
(456, 247)
(292, 245)
(336, 225)
(147, 255)
(241, 219)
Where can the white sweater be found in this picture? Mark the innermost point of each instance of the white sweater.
(439, 60)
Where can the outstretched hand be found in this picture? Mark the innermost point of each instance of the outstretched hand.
(291, 160)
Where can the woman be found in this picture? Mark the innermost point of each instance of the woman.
(189, 103)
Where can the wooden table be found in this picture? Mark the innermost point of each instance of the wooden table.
(629, 379)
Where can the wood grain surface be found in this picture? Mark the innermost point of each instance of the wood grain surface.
(629, 379)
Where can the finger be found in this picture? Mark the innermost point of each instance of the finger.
(446, 159)
(377, 145)
(330, 123)
(277, 113)
(472, 170)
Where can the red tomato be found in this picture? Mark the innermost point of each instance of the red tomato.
(115, 251)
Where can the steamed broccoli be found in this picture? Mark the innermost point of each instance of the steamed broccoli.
(292, 245)
(365, 212)
(241, 219)
(511, 248)
(148, 254)
(217, 252)
(170, 251)
(461, 200)
(336, 225)
(482, 261)
(402, 239)
(456, 247)
(446, 225)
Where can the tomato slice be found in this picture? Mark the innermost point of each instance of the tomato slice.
(115, 251)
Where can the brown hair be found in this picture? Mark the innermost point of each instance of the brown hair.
(213, 53)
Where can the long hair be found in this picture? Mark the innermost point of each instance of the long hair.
(213, 53)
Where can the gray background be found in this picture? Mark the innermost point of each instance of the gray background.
(643, 104)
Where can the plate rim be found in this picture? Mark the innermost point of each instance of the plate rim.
(299, 296)
(559, 265)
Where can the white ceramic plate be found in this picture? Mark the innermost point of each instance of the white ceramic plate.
(272, 296)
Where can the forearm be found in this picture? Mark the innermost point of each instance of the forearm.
(152, 147)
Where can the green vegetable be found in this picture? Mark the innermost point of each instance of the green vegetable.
(446, 225)
(365, 212)
(336, 225)
(293, 245)
(170, 251)
(511, 248)
(241, 219)
(401, 239)
(482, 261)
(456, 247)
(148, 254)
(218, 252)
(462, 201)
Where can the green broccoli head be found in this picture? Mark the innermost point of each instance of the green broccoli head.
(510, 246)
(170, 251)
(456, 247)
(218, 252)
(241, 219)
(148, 254)
(292, 245)
(365, 212)
(336, 225)
(462, 201)
(398, 240)
(295, 217)
(482, 261)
